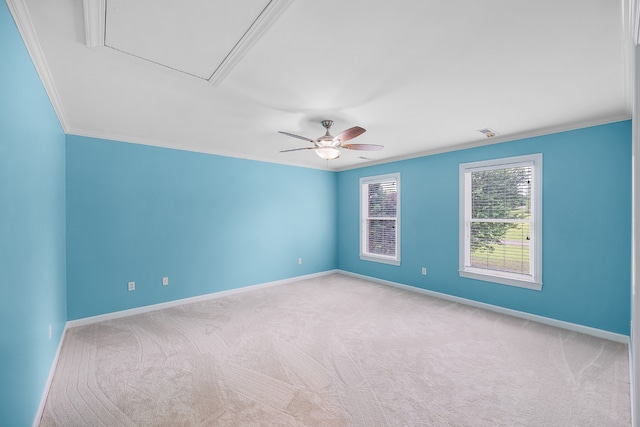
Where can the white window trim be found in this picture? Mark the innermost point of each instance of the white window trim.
(529, 282)
(363, 226)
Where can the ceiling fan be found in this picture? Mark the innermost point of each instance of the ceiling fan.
(327, 146)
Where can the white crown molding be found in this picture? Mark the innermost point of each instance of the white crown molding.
(23, 21)
(94, 22)
(267, 17)
(485, 141)
(111, 136)
(499, 139)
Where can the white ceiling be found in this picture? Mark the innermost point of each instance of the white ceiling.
(421, 76)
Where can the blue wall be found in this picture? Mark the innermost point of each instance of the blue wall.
(586, 226)
(209, 223)
(32, 231)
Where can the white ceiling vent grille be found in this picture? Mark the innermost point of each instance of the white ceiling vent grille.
(201, 38)
(489, 133)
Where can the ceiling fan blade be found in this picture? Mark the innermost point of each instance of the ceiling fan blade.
(364, 147)
(304, 138)
(298, 149)
(350, 133)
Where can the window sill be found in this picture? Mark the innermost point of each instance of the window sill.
(380, 259)
(503, 280)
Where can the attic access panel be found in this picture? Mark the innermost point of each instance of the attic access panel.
(191, 36)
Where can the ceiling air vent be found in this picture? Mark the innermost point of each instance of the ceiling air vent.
(489, 133)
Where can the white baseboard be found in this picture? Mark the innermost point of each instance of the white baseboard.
(160, 306)
(47, 386)
(632, 385)
(611, 336)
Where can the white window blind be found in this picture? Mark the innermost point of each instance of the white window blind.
(500, 221)
(380, 218)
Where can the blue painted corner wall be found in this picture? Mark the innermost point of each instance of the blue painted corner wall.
(586, 226)
(209, 223)
(32, 230)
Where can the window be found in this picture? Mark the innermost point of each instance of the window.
(501, 221)
(380, 219)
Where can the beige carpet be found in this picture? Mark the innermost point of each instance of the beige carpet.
(335, 351)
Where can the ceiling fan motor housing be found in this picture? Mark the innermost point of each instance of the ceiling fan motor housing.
(327, 141)
(327, 124)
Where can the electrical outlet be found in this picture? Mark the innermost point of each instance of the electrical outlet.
(132, 286)
(424, 271)
(299, 260)
(165, 281)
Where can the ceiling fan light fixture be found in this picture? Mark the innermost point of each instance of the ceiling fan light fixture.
(328, 153)
(327, 147)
